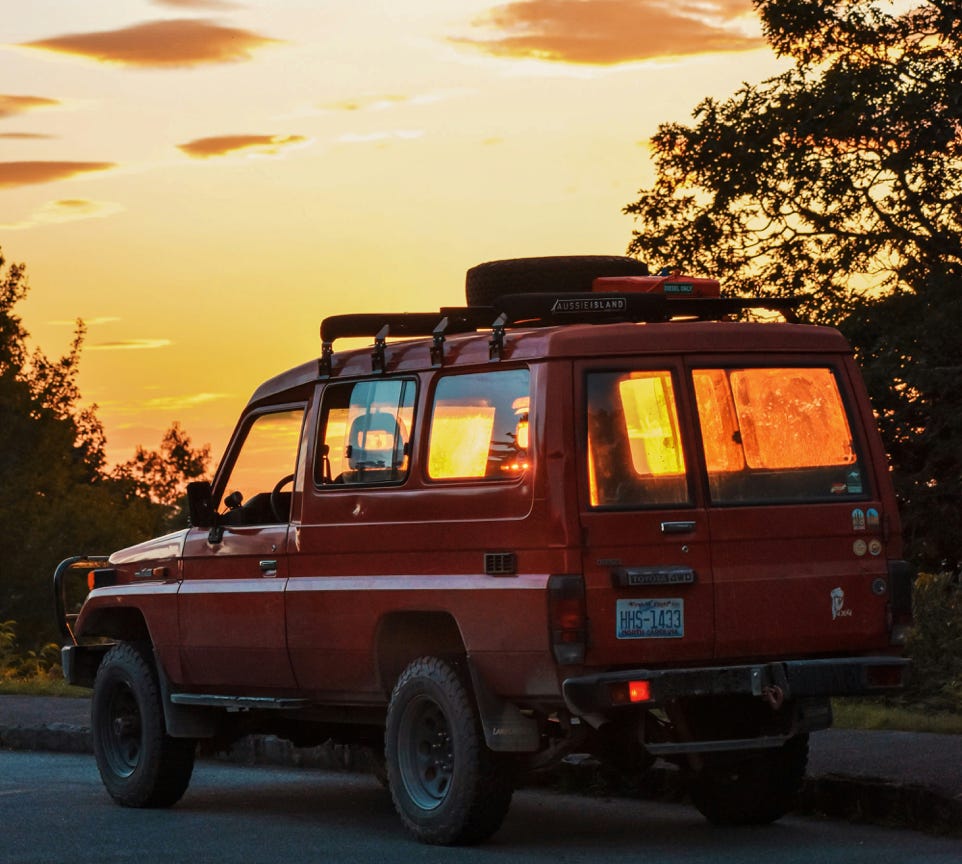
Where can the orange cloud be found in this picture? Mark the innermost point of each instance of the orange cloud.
(221, 145)
(65, 210)
(30, 173)
(607, 32)
(13, 105)
(160, 44)
(30, 136)
(178, 403)
(130, 345)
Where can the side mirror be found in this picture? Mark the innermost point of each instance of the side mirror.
(200, 504)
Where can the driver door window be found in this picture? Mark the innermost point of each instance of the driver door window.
(258, 489)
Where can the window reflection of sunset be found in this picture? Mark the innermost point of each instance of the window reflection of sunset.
(460, 441)
(786, 418)
(649, 405)
(719, 426)
(268, 454)
(335, 437)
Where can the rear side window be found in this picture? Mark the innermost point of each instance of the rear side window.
(365, 432)
(635, 455)
(776, 434)
(479, 426)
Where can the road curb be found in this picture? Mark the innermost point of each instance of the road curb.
(882, 802)
(859, 799)
(54, 738)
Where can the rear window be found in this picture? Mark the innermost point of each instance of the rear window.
(776, 434)
(635, 455)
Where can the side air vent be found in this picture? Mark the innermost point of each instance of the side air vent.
(500, 563)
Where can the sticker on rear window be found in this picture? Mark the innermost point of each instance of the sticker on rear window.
(650, 618)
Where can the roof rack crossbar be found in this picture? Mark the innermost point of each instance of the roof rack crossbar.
(531, 310)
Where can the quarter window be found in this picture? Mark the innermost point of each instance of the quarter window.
(480, 426)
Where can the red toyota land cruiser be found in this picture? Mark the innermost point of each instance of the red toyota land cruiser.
(588, 512)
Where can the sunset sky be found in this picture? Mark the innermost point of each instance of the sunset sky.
(202, 181)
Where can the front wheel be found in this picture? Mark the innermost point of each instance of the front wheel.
(140, 765)
(447, 787)
(754, 790)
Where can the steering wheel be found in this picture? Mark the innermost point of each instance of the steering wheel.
(276, 507)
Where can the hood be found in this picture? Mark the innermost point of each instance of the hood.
(159, 549)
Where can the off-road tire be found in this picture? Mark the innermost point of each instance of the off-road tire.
(140, 765)
(447, 787)
(555, 274)
(755, 790)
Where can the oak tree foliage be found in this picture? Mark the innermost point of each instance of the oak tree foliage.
(57, 496)
(840, 180)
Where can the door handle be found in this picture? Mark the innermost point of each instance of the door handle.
(269, 567)
(677, 527)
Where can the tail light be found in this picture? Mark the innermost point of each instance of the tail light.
(901, 578)
(885, 677)
(567, 617)
(630, 692)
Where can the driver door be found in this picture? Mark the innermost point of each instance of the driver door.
(231, 600)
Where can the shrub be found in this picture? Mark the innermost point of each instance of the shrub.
(43, 663)
(935, 645)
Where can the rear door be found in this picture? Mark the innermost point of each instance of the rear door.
(646, 561)
(796, 526)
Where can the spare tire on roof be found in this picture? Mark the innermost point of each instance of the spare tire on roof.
(559, 273)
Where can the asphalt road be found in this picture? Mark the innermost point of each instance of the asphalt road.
(54, 809)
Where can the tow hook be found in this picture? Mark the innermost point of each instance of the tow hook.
(774, 696)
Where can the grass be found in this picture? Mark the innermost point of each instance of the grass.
(40, 685)
(866, 714)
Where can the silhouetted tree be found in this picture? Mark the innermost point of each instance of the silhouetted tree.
(56, 496)
(841, 180)
(162, 475)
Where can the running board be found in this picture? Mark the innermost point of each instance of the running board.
(236, 703)
(677, 747)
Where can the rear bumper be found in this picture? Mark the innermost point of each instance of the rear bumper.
(601, 694)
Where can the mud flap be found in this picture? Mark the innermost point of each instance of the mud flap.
(183, 721)
(506, 729)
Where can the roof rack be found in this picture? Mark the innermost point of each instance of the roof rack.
(531, 310)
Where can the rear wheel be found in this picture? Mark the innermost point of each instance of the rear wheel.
(447, 787)
(755, 789)
(140, 765)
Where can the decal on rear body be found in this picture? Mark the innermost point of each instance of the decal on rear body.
(838, 605)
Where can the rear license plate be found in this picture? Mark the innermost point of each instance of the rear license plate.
(650, 619)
